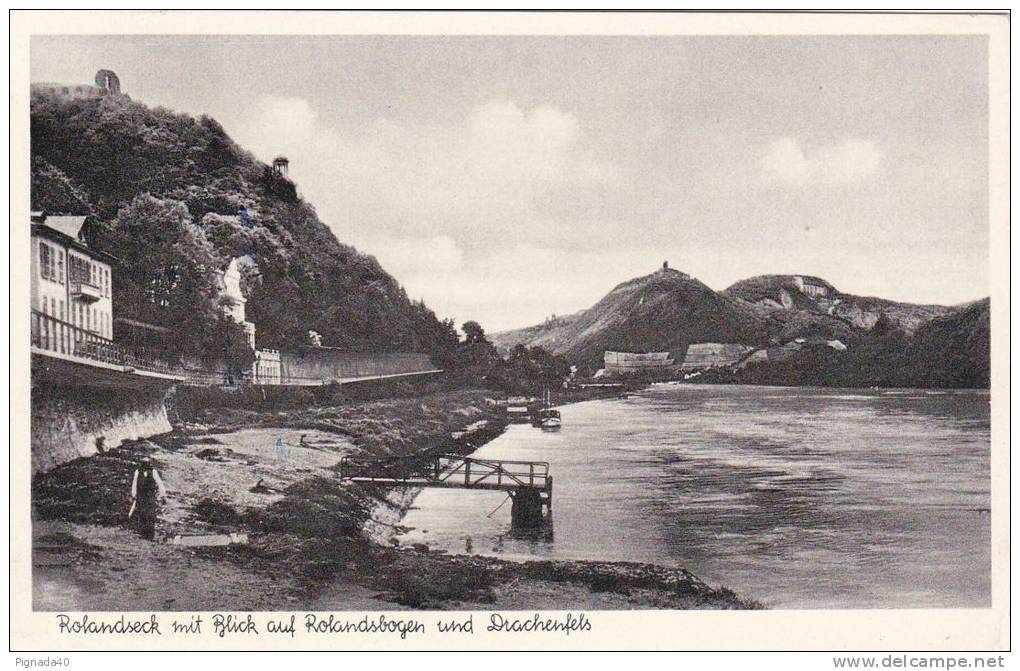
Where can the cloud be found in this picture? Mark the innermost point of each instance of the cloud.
(441, 204)
(494, 165)
(276, 125)
(414, 256)
(522, 283)
(504, 141)
(852, 160)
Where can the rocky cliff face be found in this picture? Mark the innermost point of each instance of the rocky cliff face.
(815, 297)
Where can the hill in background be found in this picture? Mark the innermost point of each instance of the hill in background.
(666, 310)
(175, 199)
(803, 305)
(949, 351)
(121, 162)
(889, 343)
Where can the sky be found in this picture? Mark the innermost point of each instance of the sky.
(507, 179)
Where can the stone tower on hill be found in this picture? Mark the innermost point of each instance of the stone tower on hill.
(107, 83)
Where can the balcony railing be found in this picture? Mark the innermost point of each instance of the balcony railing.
(86, 290)
(54, 335)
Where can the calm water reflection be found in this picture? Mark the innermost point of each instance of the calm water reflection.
(798, 497)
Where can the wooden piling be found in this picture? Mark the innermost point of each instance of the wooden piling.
(526, 510)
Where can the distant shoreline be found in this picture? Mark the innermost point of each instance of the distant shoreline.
(679, 383)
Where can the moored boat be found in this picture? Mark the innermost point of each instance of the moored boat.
(545, 417)
(550, 419)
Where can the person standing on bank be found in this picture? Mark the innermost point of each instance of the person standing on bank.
(146, 492)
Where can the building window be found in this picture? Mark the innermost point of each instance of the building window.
(81, 270)
(61, 309)
(60, 266)
(46, 261)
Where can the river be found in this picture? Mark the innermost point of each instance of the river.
(797, 497)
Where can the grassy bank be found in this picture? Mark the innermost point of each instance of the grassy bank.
(312, 544)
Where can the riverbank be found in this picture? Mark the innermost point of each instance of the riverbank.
(312, 545)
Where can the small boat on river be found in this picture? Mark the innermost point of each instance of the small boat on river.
(545, 417)
(550, 419)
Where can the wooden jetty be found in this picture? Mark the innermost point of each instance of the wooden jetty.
(527, 482)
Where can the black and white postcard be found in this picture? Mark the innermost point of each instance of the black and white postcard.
(509, 331)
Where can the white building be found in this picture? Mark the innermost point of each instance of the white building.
(713, 355)
(71, 284)
(810, 287)
(267, 368)
(230, 289)
(615, 363)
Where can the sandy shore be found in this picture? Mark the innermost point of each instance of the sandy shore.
(312, 545)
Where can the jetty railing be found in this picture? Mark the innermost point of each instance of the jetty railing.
(448, 471)
(54, 335)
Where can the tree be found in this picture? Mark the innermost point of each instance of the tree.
(227, 234)
(100, 155)
(166, 273)
(473, 332)
(474, 358)
(226, 342)
(533, 370)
